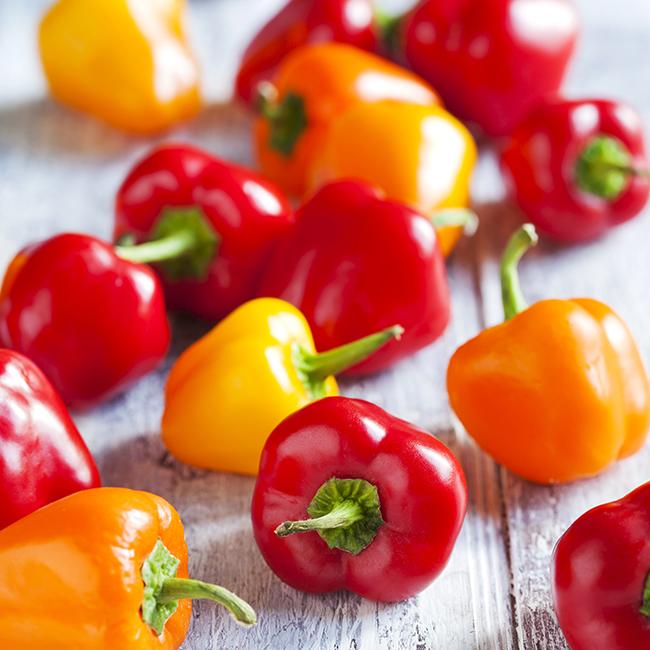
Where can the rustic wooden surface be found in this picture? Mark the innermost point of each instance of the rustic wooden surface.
(59, 171)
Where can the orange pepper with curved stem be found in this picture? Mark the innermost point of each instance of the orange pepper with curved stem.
(312, 87)
(556, 393)
(418, 155)
(102, 569)
(126, 62)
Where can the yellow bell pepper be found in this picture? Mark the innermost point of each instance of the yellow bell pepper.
(127, 62)
(229, 390)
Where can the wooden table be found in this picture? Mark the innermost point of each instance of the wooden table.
(59, 171)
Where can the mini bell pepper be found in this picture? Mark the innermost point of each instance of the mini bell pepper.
(313, 86)
(125, 62)
(556, 393)
(350, 497)
(418, 155)
(601, 576)
(42, 455)
(298, 23)
(91, 321)
(236, 218)
(101, 569)
(491, 60)
(577, 168)
(354, 264)
(261, 363)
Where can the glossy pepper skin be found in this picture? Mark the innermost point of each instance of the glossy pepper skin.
(601, 576)
(356, 263)
(42, 456)
(260, 362)
(312, 88)
(556, 393)
(245, 213)
(93, 322)
(126, 62)
(391, 502)
(298, 23)
(491, 60)
(577, 168)
(418, 155)
(73, 575)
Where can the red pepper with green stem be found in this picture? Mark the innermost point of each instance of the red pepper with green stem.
(42, 456)
(300, 22)
(577, 168)
(350, 497)
(208, 225)
(601, 576)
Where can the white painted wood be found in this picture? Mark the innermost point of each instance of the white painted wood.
(59, 171)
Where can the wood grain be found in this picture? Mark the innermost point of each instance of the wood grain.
(59, 171)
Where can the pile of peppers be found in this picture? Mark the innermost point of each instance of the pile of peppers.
(331, 260)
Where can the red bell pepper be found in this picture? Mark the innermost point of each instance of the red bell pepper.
(380, 503)
(235, 216)
(601, 576)
(92, 322)
(491, 60)
(356, 263)
(42, 456)
(298, 23)
(577, 168)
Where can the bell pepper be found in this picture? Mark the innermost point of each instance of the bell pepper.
(578, 168)
(350, 497)
(92, 321)
(261, 363)
(491, 60)
(418, 155)
(355, 263)
(311, 89)
(298, 23)
(237, 216)
(101, 569)
(125, 62)
(601, 576)
(42, 455)
(556, 393)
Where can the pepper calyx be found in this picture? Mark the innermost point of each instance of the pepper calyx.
(346, 513)
(604, 167)
(163, 590)
(287, 118)
(315, 368)
(512, 295)
(183, 243)
(645, 607)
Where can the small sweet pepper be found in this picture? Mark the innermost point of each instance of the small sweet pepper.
(356, 263)
(556, 393)
(350, 497)
(228, 391)
(209, 226)
(126, 62)
(101, 569)
(601, 576)
(42, 455)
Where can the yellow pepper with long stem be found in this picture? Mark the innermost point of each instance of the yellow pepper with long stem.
(229, 390)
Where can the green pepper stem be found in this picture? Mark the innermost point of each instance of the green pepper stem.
(389, 26)
(456, 217)
(513, 298)
(317, 367)
(174, 589)
(343, 514)
(645, 607)
(170, 247)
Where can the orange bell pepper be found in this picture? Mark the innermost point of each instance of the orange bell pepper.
(312, 87)
(418, 155)
(556, 393)
(102, 569)
(127, 62)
